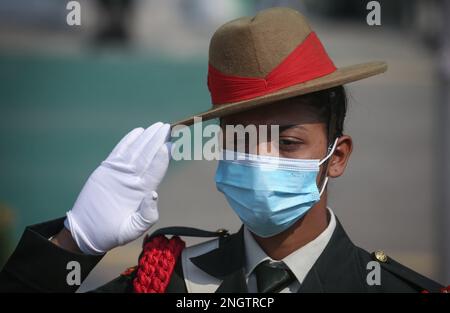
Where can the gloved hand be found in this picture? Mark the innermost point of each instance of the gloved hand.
(118, 203)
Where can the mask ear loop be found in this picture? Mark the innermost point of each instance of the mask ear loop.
(325, 181)
(330, 153)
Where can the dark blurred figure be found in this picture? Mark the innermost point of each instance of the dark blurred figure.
(6, 221)
(114, 17)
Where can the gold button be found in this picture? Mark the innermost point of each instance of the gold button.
(222, 232)
(381, 256)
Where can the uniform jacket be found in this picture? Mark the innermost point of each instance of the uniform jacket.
(37, 265)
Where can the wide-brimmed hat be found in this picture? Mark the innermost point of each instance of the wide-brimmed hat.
(274, 55)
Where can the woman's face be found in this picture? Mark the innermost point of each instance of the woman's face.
(302, 134)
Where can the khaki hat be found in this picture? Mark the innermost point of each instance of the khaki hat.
(272, 56)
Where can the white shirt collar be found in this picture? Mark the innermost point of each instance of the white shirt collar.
(300, 261)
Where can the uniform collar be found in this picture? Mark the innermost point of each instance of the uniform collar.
(226, 263)
(300, 261)
(337, 269)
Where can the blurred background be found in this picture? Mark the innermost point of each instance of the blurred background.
(69, 93)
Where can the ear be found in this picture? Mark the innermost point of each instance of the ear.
(340, 157)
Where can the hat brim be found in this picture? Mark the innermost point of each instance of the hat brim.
(341, 76)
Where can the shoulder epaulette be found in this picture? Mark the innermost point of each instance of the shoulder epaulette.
(420, 282)
(188, 232)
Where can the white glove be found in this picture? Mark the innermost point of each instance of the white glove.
(118, 203)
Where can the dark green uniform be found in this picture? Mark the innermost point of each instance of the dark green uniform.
(37, 265)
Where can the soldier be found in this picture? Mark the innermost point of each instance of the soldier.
(270, 69)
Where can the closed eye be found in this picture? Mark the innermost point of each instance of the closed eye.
(289, 141)
(289, 144)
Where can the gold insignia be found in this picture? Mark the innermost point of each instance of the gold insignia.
(222, 232)
(381, 256)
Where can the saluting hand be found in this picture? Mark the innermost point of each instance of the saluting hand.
(118, 203)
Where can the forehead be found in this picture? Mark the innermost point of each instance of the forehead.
(286, 112)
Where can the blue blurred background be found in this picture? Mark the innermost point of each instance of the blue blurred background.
(69, 93)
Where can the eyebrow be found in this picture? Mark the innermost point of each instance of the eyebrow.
(281, 127)
(285, 127)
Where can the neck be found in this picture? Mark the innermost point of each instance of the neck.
(302, 232)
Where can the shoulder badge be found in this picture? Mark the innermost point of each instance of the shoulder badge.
(420, 282)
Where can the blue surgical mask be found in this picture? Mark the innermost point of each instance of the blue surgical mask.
(269, 194)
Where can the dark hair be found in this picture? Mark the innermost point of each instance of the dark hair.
(331, 105)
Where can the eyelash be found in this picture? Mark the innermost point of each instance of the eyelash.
(286, 143)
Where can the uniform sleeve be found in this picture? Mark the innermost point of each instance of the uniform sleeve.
(38, 265)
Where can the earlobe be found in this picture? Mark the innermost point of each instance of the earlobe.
(340, 157)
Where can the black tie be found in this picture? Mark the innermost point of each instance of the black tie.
(273, 277)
